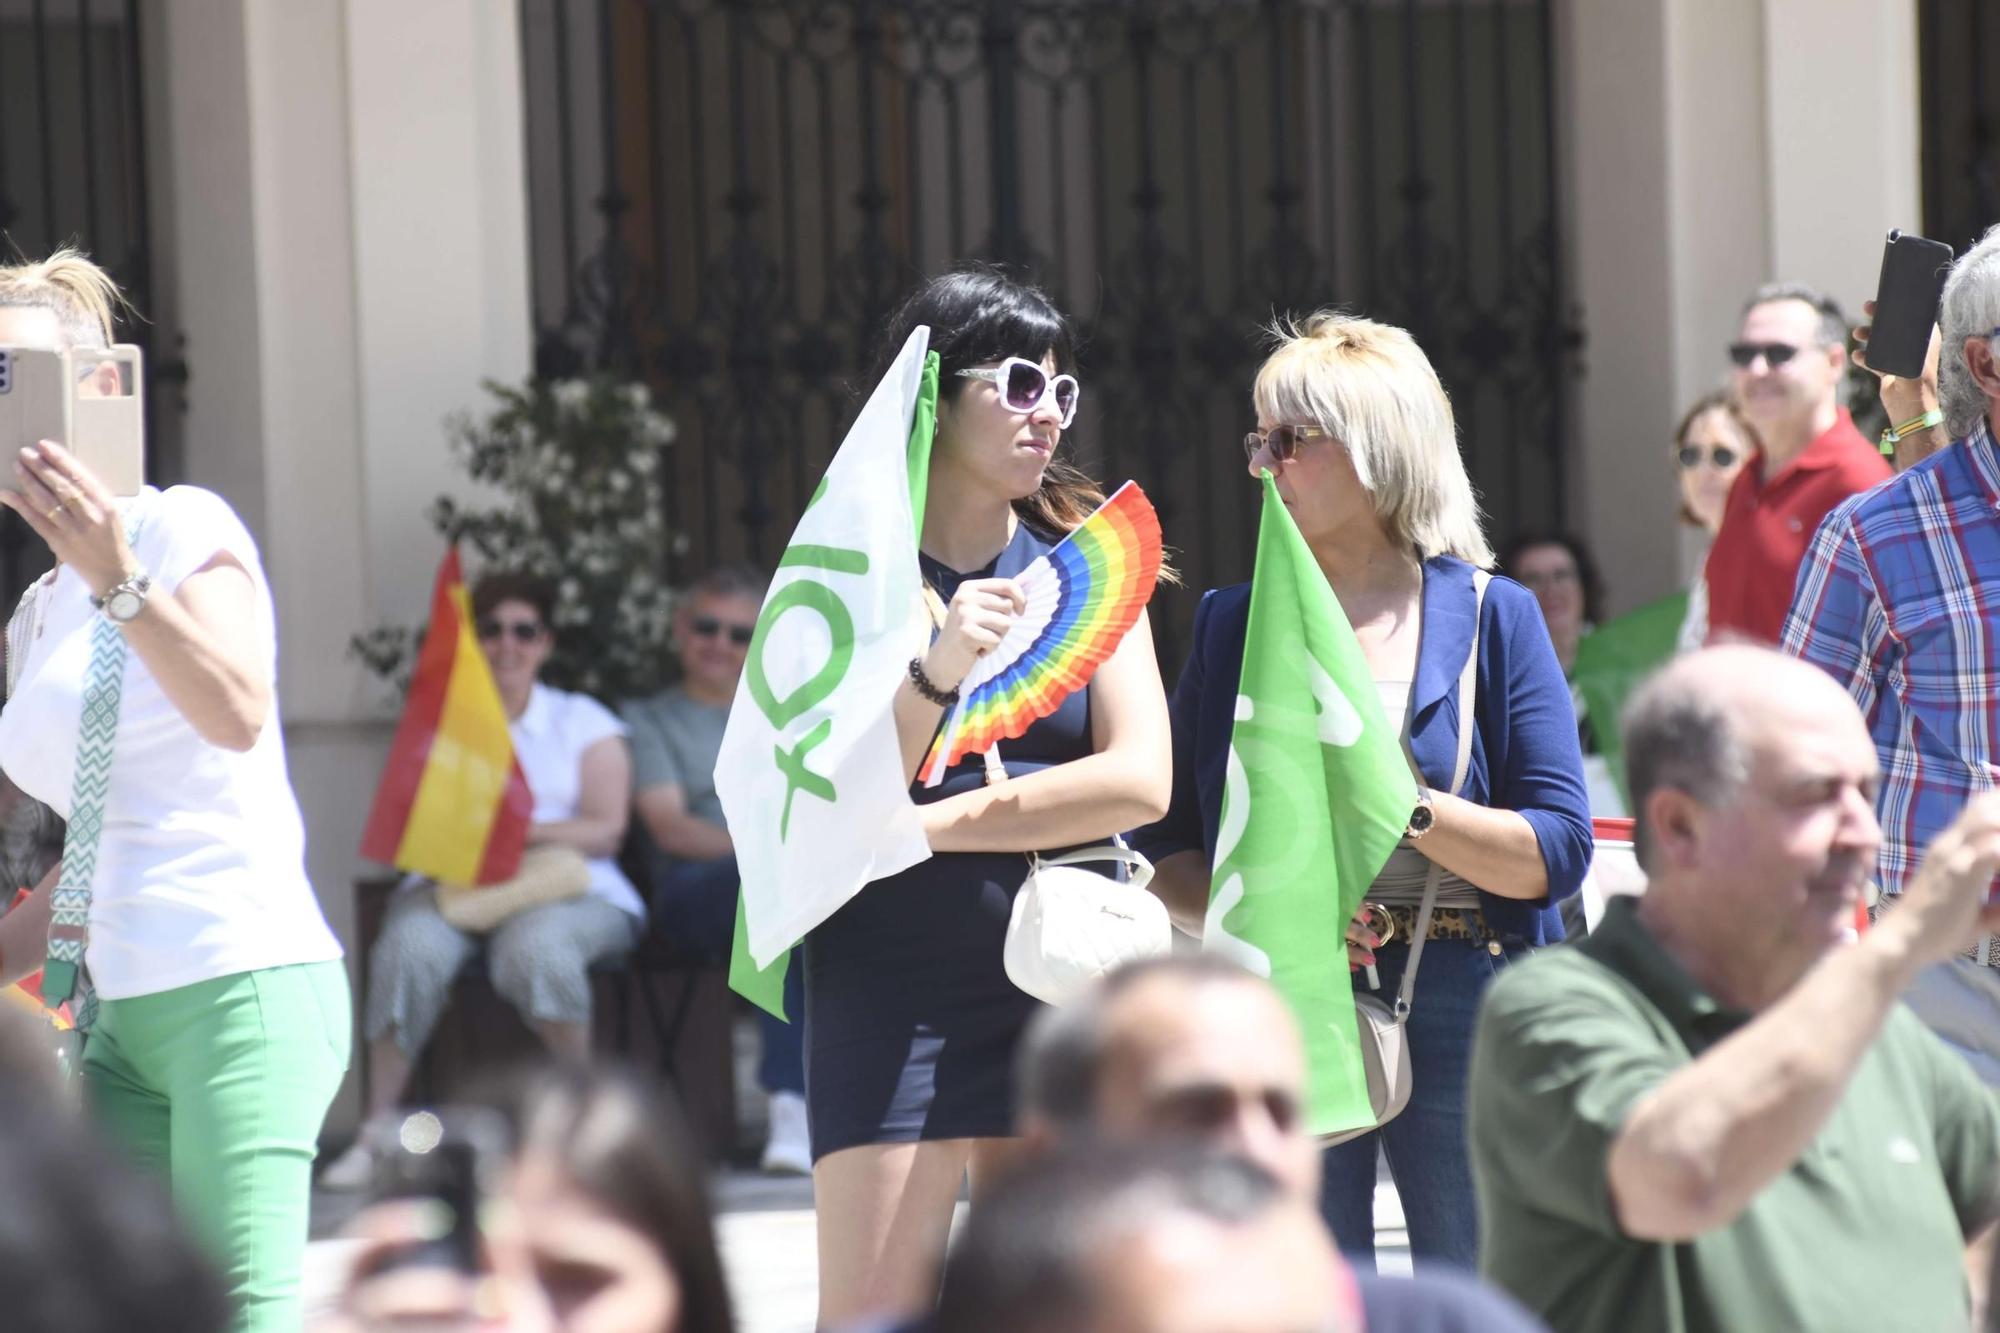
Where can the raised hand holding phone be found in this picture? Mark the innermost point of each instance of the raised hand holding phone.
(70, 509)
(91, 401)
(1899, 345)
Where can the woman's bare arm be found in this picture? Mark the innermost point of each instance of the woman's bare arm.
(1494, 849)
(199, 641)
(1122, 784)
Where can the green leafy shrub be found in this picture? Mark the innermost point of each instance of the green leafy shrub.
(574, 471)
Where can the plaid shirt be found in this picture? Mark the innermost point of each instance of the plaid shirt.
(1899, 600)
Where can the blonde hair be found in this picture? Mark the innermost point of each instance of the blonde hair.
(81, 296)
(1374, 391)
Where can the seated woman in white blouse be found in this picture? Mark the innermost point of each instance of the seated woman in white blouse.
(572, 750)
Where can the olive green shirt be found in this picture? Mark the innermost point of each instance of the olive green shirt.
(1867, 1230)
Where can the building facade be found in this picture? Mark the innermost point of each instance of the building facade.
(341, 216)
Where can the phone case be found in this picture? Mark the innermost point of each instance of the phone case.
(1906, 303)
(42, 398)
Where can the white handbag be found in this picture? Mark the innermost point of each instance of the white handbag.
(1070, 926)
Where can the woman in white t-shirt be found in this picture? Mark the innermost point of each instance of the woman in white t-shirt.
(222, 1013)
(572, 751)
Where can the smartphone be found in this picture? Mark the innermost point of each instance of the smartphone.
(89, 400)
(1906, 303)
(448, 1155)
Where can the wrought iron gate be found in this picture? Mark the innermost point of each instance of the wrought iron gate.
(73, 171)
(1958, 42)
(727, 196)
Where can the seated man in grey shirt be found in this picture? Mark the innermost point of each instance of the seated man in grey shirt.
(690, 861)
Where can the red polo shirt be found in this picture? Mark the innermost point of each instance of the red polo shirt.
(1767, 525)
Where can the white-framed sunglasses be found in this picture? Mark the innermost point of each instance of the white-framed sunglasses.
(1025, 386)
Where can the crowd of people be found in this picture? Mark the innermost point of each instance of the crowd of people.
(1726, 1107)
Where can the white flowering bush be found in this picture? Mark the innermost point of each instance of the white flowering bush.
(576, 465)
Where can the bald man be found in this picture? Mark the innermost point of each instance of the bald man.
(1713, 1114)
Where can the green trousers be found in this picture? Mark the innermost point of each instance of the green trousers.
(220, 1087)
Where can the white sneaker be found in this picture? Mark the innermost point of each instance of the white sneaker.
(351, 1171)
(788, 1150)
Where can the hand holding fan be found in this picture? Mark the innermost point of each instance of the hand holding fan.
(1081, 598)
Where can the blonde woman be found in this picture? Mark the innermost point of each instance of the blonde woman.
(1356, 428)
(1713, 443)
(224, 1020)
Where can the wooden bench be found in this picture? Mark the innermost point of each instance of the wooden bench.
(653, 1008)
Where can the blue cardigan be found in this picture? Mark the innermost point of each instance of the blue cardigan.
(1524, 751)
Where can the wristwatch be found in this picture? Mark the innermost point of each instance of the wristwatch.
(1422, 817)
(126, 599)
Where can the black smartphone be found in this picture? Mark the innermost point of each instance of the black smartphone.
(445, 1155)
(1906, 303)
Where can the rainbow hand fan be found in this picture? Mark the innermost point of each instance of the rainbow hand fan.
(1082, 597)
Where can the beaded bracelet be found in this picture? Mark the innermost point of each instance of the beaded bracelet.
(942, 698)
(1892, 434)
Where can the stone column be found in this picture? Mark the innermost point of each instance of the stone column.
(341, 237)
(1709, 146)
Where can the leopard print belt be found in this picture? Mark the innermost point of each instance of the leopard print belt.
(1447, 923)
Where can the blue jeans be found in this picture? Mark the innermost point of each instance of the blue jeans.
(694, 906)
(1426, 1145)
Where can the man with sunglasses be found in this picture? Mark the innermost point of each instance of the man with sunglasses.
(1790, 359)
(689, 856)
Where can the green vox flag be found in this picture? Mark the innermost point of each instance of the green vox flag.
(805, 842)
(1612, 659)
(1317, 795)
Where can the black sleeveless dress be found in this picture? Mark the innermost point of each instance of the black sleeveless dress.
(911, 1023)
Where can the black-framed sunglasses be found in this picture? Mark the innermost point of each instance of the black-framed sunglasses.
(1025, 386)
(1717, 456)
(523, 631)
(1283, 441)
(1774, 354)
(708, 627)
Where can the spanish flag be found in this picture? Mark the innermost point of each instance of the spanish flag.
(453, 803)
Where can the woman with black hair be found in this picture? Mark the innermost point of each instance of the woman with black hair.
(599, 1220)
(1558, 568)
(911, 1020)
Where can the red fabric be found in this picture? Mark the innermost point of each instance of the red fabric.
(407, 753)
(410, 751)
(1767, 525)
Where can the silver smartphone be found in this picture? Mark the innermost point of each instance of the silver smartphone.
(88, 400)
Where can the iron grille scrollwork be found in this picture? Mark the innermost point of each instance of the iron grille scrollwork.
(729, 196)
(73, 171)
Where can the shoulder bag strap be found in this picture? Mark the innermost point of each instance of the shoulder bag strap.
(97, 729)
(1467, 691)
